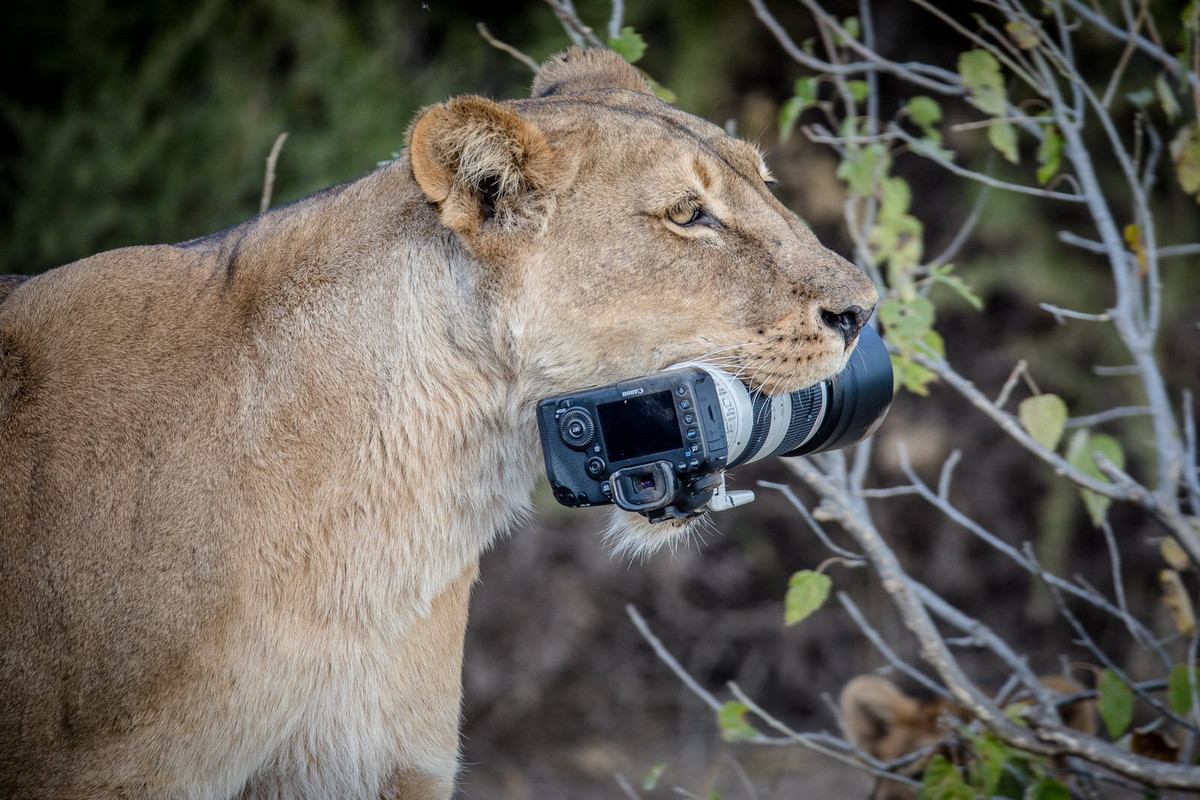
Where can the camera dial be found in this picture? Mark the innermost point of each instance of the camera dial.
(577, 428)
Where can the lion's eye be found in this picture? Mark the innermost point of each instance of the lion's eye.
(685, 215)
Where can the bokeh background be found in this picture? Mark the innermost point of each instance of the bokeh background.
(139, 122)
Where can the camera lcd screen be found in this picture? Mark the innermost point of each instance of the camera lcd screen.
(639, 426)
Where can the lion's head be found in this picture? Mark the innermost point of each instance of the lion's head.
(622, 235)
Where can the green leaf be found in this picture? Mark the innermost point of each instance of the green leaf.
(852, 28)
(861, 166)
(807, 592)
(1043, 416)
(1179, 690)
(806, 89)
(942, 781)
(629, 44)
(923, 111)
(1081, 454)
(1047, 789)
(1167, 98)
(660, 91)
(1022, 33)
(1142, 97)
(994, 755)
(788, 116)
(981, 76)
(1185, 152)
(943, 276)
(1003, 137)
(906, 321)
(858, 90)
(1114, 700)
(650, 782)
(1049, 154)
(912, 377)
(731, 719)
(897, 239)
(897, 197)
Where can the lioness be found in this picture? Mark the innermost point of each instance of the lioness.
(245, 480)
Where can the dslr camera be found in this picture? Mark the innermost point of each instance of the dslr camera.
(659, 445)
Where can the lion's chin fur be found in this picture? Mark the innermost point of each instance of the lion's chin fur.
(632, 536)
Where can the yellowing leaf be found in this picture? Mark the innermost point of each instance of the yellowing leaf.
(1114, 700)
(1003, 137)
(1175, 556)
(1133, 238)
(1177, 601)
(981, 76)
(650, 782)
(1024, 35)
(731, 719)
(1043, 416)
(807, 592)
(1185, 152)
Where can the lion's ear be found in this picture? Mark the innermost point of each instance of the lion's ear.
(871, 707)
(575, 70)
(480, 162)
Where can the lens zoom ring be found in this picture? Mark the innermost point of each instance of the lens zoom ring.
(805, 413)
(759, 430)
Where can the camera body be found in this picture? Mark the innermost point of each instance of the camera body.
(639, 443)
(659, 445)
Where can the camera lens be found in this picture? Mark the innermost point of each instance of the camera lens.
(837, 412)
(858, 398)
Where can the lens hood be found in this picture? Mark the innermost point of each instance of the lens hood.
(859, 397)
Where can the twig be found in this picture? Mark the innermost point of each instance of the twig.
(507, 48)
(812, 523)
(269, 178)
(979, 177)
(666, 657)
(1100, 417)
(626, 786)
(1090, 643)
(887, 652)
(614, 21)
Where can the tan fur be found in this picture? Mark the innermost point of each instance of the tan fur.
(888, 724)
(245, 481)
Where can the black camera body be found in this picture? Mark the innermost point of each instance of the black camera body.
(659, 445)
(639, 443)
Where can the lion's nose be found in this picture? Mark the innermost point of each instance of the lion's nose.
(848, 322)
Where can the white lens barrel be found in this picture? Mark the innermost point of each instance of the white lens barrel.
(758, 426)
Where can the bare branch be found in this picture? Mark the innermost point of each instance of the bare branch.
(507, 48)
(269, 177)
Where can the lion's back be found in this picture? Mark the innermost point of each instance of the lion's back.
(102, 491)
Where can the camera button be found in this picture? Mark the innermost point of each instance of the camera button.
(681, 390)
(685, 404)
(691, 433)
(606, 489)
(595, 467)
(688, 419)
(681, 466)
(695, 448)
(694, 463)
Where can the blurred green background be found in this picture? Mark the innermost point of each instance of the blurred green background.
(140, 122)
